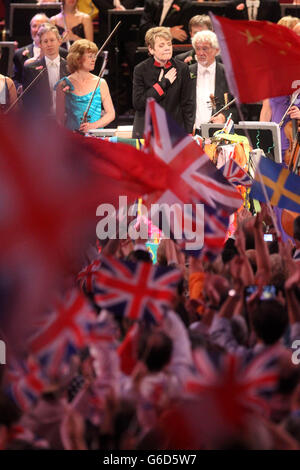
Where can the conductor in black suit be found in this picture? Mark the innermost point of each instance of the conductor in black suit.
(165, 79)
(31, 50)
(169, 13)
(208, 77)
(41, 98)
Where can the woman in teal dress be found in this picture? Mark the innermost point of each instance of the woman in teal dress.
(75, 91)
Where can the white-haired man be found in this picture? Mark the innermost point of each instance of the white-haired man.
(208, 80)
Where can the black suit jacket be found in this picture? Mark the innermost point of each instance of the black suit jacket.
(175, 98)
(21, 55)
(221, 87)
(178, 14)
(38, 99)
(268, 10)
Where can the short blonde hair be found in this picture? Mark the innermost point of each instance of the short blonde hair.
(206, 36)
(48, 28)
(153, 33)
(76, 52)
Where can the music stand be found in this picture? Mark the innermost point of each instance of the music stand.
(6, 61)
(20, 16)
(264, 135)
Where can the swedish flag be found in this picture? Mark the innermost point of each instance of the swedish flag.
(282, 186)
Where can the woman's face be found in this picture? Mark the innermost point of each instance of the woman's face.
(70, 3)
(88, 61)
(162, 50)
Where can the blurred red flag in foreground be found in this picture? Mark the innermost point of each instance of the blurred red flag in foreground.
(51, 182)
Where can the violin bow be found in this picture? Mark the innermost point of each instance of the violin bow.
(26, 90)
(85, 114)
(65, 26)
(292, 102)
(224, 108)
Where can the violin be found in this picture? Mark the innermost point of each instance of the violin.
(292, 154)
(291, 159)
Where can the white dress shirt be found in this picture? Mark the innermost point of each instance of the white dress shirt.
(53, 75)
(166, 7)
(252, 6)
(205, 87)
(36, 51)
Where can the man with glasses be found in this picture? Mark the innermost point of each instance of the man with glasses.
(209, 82)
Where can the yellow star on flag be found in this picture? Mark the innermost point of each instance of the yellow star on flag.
(251, 38)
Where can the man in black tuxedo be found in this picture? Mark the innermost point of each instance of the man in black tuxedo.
(267, 10)
(170, 13)
(165, 79)
(209, 79)
(31, 50)
(41, 98)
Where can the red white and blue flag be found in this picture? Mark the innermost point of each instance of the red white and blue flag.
(87, 275)
(192, 176)
(235, 174)
(193, 179)
(135, 290)
(237, 388)
(25, 381)
(64, 333)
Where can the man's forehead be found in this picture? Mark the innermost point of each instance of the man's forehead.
(204, 44)
(39, 20)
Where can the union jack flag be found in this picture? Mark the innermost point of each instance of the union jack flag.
(86, 276)
(191, 173)
(25, 382)
(235, 174)
(66, 331)
(193, 179)
(237, 388)
(135, 290)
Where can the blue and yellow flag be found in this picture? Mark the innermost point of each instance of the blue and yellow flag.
(282, 186)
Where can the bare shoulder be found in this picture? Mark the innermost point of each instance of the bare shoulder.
(85, 16)
(9, 82)
(82, 16)
(54, 18)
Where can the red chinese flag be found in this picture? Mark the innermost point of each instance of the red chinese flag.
(261, 59)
